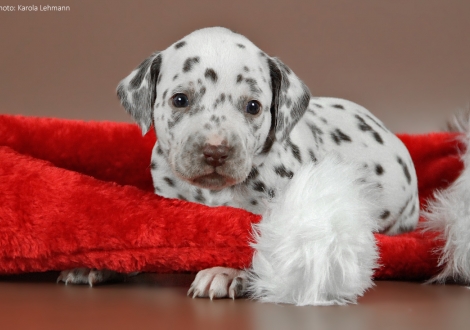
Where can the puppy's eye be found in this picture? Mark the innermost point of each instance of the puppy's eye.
(253, 107)
(180, 100)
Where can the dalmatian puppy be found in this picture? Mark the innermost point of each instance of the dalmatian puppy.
(234, 125)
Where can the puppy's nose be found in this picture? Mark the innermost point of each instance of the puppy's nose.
(215, 155)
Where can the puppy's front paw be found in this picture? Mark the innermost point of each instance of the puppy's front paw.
(219, 282)
(87, 276)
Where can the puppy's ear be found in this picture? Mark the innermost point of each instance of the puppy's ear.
(137, 91)
(290, 98)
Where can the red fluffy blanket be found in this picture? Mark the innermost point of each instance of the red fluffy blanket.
(79, 194)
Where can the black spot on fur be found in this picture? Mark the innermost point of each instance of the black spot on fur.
(241, 46)
(253, 174)
(271, 193)
(215, 119)
(181, 197)
(339, 137)
(188, 64)
(175, 77)
(413, 209)
(199, 196)
(202, 91)
(180, 44)
(239, 78)
(338, 106)
(385, 214)
(405, 170)
(169, 181)
(283, 172)
(288, 102)
(313, 158)
(405, 206)
(363, 126)
(378, 138)
(210, 74)
(253, 202)
(376, 122)
(318, 106)
(176, 118)
(295, 150)
(268, 143)
(159, 151)
(312, 111)
(253, 84)
(245, 68)
(406, 228)
(317, 133)
(259, 186)
(379, 170)
(153, 166)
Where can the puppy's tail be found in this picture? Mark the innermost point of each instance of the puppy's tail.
(449, 213)
(315, 244)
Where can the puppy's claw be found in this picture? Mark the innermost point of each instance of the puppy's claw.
(196, 292)
(237, 288)
(191, 289)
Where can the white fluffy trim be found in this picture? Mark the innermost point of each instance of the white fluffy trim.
(449, 213)
(315, 244)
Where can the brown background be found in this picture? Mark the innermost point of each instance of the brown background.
(407, 61)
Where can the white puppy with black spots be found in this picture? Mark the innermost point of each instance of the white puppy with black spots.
(235, 125)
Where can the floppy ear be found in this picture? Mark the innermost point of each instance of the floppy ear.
(137, 91)
(290, 98)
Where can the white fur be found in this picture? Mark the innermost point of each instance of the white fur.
(449, 213)
(315, 244)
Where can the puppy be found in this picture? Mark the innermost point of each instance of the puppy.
(234, 125)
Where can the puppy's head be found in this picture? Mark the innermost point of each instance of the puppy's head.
(217, 102)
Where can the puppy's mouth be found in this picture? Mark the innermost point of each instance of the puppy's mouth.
(213, 181)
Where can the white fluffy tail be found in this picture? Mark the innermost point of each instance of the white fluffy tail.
(315, 244)
(449, 213)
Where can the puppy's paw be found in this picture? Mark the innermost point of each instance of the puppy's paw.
(219, 282)
(87, 276)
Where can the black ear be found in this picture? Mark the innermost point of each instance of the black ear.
(137, 91)
(290, 98)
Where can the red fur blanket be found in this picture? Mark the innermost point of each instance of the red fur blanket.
(76, 194)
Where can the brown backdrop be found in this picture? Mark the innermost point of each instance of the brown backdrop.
(407, 61)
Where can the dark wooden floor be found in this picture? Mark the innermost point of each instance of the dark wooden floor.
(160, 302)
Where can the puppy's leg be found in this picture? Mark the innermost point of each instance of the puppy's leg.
(219, 282)
(88, 276)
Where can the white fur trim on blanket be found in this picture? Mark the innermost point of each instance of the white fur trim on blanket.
(449, 213)
(315, 244)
